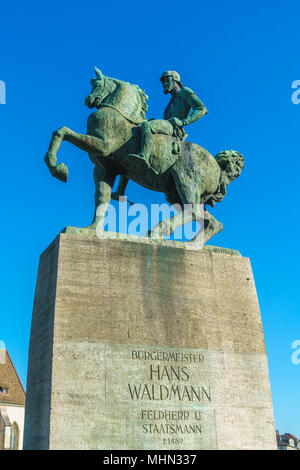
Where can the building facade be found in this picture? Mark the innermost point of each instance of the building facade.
(287, 441)
(12, 405)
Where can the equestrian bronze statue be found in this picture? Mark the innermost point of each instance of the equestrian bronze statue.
(120, 141)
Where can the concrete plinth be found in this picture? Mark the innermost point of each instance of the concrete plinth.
(142, 346)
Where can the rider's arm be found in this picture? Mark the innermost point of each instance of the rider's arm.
(197, 106)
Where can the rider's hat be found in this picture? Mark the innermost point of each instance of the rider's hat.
(172, 73)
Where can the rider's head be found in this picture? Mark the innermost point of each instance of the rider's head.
(169, 79)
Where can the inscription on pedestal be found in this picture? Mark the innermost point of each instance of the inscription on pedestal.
(169, 398)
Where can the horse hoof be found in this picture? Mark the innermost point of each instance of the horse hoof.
(61, 172)
(58, 171)
(155, 234)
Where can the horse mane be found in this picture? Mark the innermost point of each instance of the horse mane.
(231, 164)
(144, 99)
(129, 99)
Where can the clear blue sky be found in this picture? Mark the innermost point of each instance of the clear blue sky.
(240, 57)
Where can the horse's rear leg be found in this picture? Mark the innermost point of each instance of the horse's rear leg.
(210, 226)
(88, 143)
(190, 192)
(183, 198)
(187, 213)
(190, 196)
(167, 226)
(104, 181)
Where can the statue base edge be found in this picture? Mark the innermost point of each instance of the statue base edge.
(188, 245)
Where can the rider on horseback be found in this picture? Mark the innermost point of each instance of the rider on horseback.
(192, 178)
(176, 116)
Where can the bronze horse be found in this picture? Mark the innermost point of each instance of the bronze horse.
(188, 176)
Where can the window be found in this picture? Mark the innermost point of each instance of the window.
(14, 437)
(3, 391)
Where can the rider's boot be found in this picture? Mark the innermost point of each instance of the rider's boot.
(147, 144)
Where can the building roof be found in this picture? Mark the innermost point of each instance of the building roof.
(10, 381)
(291, 436)
(284, 440)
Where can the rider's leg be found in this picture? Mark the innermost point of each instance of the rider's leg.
(147, 140)
(148, 128)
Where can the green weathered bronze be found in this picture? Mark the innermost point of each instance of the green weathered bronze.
(153, 153)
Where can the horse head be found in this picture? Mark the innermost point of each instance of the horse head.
(98, 93)
(125, 97)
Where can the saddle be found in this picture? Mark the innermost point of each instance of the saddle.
(165, 152)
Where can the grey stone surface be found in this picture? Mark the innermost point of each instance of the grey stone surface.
(142, 346)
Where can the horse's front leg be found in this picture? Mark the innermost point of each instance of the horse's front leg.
(88, 143)
(104, 181)
(58, 171)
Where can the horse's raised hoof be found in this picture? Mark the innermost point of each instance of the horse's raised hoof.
(58, 171)
(61, 172)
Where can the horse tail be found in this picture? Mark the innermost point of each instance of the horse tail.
(231, 164)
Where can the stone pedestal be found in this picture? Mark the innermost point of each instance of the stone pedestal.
(143, 346)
